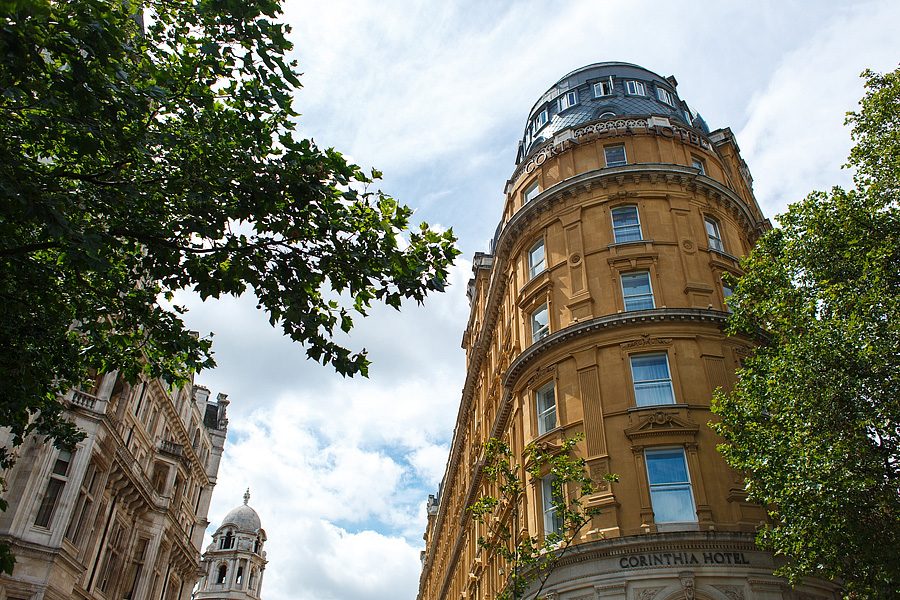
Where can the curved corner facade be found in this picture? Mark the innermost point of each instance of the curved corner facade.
(599, 311)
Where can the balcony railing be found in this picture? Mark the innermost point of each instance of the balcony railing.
(84, 399)
(173, 448)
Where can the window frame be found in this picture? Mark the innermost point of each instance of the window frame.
(540, 119)
(531, 191)
(621, 163)
(637, 297)
(552, 522)
(543, 331)
(567, 100)
(633, 87)
(638, 384)
(543, 409)
(663, 487)
(665, 96)
(535, 268)
(699, 164)
(616, 228)
(600, 84)
(56, 484)
(713, 238)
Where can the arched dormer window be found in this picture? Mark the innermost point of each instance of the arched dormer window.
(227, 541)
(221, 575)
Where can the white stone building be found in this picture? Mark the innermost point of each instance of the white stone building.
(234, 562)
(124, 514)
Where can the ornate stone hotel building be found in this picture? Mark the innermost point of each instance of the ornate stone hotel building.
(123, 515)
(600, 311)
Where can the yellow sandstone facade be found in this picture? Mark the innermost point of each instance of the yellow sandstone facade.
(600, 311)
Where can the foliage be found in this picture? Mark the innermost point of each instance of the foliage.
(814, 420)
(137, 160)
(531, 559)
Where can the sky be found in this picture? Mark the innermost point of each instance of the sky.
(435, 95)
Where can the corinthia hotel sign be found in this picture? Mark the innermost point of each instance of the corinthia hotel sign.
(680, 559)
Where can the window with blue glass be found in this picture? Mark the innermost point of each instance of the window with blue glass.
(670, 486)
(540, 120)
(540, 323)
(568, 99)
(615, 155)
(635, 88)
(626, 224)
(536, 259)
(545, 408)
(553, 522)
(651, 378)
(636, 291)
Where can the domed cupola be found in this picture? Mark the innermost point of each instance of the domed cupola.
(234, 562)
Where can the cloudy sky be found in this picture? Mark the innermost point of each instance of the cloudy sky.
(435, 94)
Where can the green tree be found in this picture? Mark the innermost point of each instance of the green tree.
(149, 146)
(530, 559)
(814, 420)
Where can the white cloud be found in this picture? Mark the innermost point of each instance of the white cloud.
(794, 139)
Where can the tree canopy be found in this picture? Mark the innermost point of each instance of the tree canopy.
(814, 420)
(148, 147)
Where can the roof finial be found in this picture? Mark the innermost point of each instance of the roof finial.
(247, 496)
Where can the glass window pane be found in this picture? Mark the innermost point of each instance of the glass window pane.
(540, 324)
(636, 291)
(666, 466)
(536, 258)
(545, 402)
(626, 226)
(615, 156)
(673, 505)
(652, 383)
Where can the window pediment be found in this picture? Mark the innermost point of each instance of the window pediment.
(662, 427)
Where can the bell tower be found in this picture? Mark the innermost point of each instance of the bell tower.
(234, 562)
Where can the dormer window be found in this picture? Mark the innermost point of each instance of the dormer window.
(603, 88)
(568, 100)
(665, 96)
(539, 120)
(635, 88)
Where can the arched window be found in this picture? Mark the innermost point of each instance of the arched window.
(223, 572)
(228, 541)
(239, 578)
(252, 581)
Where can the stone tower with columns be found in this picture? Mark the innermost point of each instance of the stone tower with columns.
(234, 562)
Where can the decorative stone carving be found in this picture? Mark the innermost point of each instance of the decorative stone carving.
(732, 592)
(648, 593)
(687, 584)
(646, 340)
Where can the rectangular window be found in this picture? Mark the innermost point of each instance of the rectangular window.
(615, 155)
(531, 192)
(670, 486)
(665, 96)
(626, 224)
(58, 477)
(545, 408)
(86, 496)
(635, 88)
(636, 291)
(726, 294)
(540, 323)
(552, 521)
(603, 88)
(539, 121)
(713, 235)
(697, 163)
(568, 99)
(652, 382)
(536, 259)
